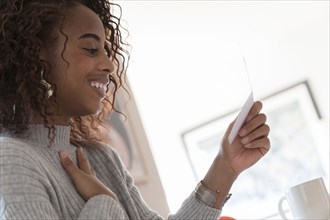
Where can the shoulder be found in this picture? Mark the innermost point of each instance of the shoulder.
(8, 144)
(16, 151)
(5, 141)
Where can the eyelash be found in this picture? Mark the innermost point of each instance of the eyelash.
(91, 51)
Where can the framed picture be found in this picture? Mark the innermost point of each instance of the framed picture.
(125, 134)
(296, 154)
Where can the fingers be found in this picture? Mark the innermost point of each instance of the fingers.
(256, 108)
(260, 142)
(86, 184)
(258, 139)
(71, 168)
(68, 165)
(82, 161)
(254, 133)
(262, 145)
(253, 124)
(264, 150)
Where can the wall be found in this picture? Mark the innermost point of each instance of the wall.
(149, 186)
(184, 59)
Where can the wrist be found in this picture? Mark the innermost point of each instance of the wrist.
(219, 179)
(220, 174)
(208, 197)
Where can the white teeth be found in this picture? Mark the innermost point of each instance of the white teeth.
(99, 86)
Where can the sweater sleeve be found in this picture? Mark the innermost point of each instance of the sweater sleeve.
(24, 189)
(191, 208)
(102, 207)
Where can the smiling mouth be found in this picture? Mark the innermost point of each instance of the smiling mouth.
(100, 88)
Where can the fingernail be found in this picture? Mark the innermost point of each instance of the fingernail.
(63, 154)
(242, 133)
(245, 140)
(248, 145)
(81, 150)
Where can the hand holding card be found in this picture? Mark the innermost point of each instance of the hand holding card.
(241, 118)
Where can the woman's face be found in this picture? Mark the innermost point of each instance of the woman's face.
(83, 75)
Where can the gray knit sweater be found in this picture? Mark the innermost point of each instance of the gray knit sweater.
(33, 184)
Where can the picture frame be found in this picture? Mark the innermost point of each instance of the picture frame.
(296, 154)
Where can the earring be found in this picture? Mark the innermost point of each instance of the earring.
(50, 91)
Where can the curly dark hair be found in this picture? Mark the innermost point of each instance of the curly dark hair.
(26, 26)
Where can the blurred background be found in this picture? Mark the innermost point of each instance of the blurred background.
(189, 80)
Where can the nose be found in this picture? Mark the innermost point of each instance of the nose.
(107, 65)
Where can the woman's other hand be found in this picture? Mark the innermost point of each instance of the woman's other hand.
(83, 177)
(251, 143)
(247, 148)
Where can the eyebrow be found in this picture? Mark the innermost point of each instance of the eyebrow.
(89, 35)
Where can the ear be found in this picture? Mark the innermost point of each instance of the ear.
(43, 54)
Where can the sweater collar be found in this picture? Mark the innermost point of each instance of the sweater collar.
(38, 133)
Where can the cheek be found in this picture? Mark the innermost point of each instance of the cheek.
(82, 68)
(70, 70)
(58, 66)
(83, 62)
(63, 69)
(72, 80)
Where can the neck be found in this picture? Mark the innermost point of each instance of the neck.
(51, 120)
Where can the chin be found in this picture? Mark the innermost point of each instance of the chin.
(97, 110)
(91, 110)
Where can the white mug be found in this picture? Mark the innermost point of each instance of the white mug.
(308, 200)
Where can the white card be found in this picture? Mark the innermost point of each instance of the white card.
(241, 118)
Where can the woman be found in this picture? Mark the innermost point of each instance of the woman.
(58, 61)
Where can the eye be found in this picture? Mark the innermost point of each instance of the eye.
(91, 51)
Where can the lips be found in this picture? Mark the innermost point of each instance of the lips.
(100, 85)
